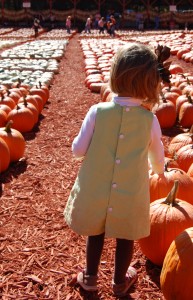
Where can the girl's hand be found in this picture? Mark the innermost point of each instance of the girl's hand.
(161, 176)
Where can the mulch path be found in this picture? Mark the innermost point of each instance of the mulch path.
(39, 255)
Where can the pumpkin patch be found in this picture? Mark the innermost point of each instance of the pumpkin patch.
(38, 250)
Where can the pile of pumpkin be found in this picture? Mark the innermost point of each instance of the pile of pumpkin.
(170, 243)
(20, 107)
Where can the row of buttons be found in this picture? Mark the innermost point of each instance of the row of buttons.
(114, 185)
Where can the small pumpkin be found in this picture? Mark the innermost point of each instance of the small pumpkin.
(14, 140)
(6, 100)
(184, 157)
(186, 113)
(176, 278)
(165, 111)
(22, 117)
(36, 90)
(168, 217)
(180, 140)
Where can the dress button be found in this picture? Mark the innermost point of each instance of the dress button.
(121, 136)
(114, 185)
(118, 161)
(127, 109)
(110, 209)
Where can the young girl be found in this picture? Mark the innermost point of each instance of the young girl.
(110, 197)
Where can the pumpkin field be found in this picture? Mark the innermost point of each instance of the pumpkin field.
(47, 85)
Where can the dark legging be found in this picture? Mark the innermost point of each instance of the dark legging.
(123, 256)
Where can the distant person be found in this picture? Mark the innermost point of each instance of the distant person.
(36, 27)
(52, 20)
(157, 21)
(111, 26)
(68, 24)
(88, 25)
(96, 20)
(138, 20)
(101, 25)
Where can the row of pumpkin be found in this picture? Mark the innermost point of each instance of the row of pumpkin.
(20, 107)
(98, 53)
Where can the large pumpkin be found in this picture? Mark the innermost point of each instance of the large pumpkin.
(176, 277)
(168, 217)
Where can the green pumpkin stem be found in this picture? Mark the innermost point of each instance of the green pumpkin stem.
(171, 197)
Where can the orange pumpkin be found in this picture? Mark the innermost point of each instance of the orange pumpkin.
(165, 111)
(38, 91)
(4, 156)
(180, 100)
(39, 101)
(5, 108)
(186, 114)
(179, 141)
(45, 88)
(176, 278)
(3, 118)
(6, 100)
(14, 140)
(184, 157)
(168, 217)
(22, 117)
(160, 187)
(190, 171)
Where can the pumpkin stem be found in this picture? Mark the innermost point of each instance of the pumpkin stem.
(8, 126)
(171, 197)
(191, 131)
(190, 99)
(188, 81)
(166, 166)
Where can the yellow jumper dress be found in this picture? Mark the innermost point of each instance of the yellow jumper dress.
(111, 191)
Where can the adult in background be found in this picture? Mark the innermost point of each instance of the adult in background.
(36, 26)
(88, 25)
(111, 26)
(101, 25)
(68, 24)
(96, 20)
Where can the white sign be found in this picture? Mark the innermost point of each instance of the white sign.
(26, 4)
(173, 8)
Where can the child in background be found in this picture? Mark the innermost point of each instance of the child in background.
(110, 197)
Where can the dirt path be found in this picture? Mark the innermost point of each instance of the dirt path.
(39, 255)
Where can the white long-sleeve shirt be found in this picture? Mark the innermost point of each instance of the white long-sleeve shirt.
(83, 139)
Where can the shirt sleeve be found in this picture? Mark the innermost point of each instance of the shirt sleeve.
(156, 148)
(82, 140)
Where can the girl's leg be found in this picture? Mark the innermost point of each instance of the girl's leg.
(87, 279)
(94, 248)
(123, 257)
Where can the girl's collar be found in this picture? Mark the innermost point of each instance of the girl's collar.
(128, 101)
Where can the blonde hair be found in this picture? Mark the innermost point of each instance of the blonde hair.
(134, 72)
